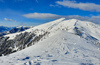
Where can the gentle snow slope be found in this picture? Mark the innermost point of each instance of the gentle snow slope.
(62, 48)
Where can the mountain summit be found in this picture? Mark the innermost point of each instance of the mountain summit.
(60, 42)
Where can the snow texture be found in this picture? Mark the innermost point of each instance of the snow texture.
(70, 42)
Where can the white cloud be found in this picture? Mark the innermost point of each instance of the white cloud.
(94, 19)
(42, 16)
(9, 20)
(82, 6)
(51, 5)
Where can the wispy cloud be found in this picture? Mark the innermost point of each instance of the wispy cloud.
(42, 16)
(82, 6)
(94, 19)
(9, 20)
(51, 5)
(37, 1)
(2, 1)
(13, 0)
(18, 0)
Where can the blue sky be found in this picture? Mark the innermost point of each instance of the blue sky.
(35, 12)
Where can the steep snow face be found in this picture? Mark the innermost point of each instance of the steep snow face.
(63, 48)
(89, 28)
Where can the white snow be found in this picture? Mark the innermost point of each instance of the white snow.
(60, 47)
(87, 28)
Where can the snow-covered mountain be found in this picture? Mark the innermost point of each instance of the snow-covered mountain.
(60, 42)
(19, 29)
(3, 28)
(13, 30)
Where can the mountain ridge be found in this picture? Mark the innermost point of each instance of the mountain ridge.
(52, 43)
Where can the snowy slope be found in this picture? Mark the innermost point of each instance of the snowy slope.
(87, 28)
(69, 42)
(41, 28)
(59, 49)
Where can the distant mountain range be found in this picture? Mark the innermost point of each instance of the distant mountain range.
(3, 28)
(9, 30)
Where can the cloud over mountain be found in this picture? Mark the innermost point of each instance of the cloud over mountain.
(94, 19)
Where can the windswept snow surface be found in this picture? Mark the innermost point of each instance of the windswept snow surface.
(61, 47)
